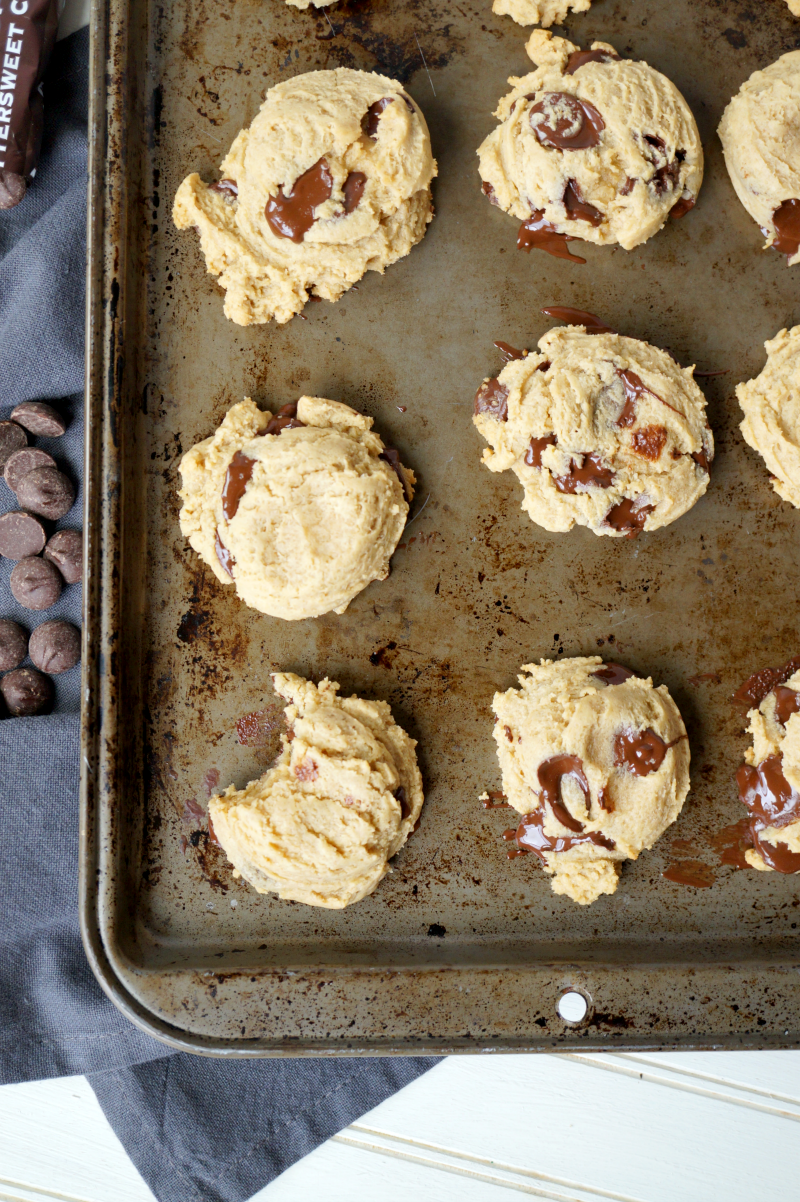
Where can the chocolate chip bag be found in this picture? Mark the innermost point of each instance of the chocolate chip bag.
(27, 35)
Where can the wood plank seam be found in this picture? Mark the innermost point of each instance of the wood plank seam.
(655, 1079)
(387, 1148)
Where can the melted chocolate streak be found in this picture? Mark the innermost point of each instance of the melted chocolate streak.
(529, 835)
(641, 751)
(771, 801)
(578, 317)
(756, 687)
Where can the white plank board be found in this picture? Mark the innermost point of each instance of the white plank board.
(630, 1128)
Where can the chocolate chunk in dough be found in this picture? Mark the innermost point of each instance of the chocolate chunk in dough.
(12, 189)
(40, 418)
(27, 692)
(55, 646)
(24, 461)
(13, 644)
(65, 550)
(21, 534)
(12, 438)
(36, 583)
(46, 491)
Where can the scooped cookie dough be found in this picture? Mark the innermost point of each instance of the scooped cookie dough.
(342, 798)
(300, 511)
(306, 3)
(600, 430)
(597, 762)
(590, 146)
(540, 12)
(769, 780)
(760, 135)
(332, 179)
(794, 7)
(771, 406)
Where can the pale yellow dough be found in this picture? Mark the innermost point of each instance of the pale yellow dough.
(760, 135)
(562, 708)
(580, 398)
(306, 119)
(618, 177)
(770, 737)
(771, 406)
(540, 12)
(319, 518)
(339, 802)
(794, 7)
(306, 3)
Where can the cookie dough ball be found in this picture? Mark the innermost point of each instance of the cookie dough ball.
(331, 180)
(794, 7)
(760, 135)
(540, 12)
(597, 761)
(300, 511)
(771, 407)
(769, 780)
(591, 146)
(600, 430)
(340, 801)
(306, 3)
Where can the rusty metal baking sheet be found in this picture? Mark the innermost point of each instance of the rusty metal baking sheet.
(458, 949)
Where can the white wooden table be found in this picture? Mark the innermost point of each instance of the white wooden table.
(688, 1127)
(678, 1127)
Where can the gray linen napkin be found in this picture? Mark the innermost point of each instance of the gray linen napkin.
(194, 1128)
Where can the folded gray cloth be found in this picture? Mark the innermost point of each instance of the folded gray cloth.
(195, 1128)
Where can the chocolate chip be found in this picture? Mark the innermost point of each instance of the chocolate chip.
(55, 646)
(21, 534)
(39, 418)
(12, 438)
(12, 189)
(24, 461)
(47, 491)
(27, 692)
(36, 583)
(13, 644)
(65, 550)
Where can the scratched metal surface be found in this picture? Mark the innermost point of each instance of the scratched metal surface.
(458, 948)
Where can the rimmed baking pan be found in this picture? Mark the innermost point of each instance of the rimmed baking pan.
(459, 949)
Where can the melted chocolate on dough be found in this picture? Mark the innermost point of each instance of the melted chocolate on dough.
(579, 58)
(533, 455)
(538, 234)
(649, 442)
(489, 191)
(787, 702)
(680, 209)
(577, 208)
(369, 122)
(628, 516)
(756, 687)
(353, 190)
(701, 458)
(613, 673)
(492, 398)
(641, 751)
(237, 477)
(228, 187)
(284, 419)
(291, 215)
(577, 317)
(634, 388)
(578, 129)
(771, 801)
(786, 220)
(223, 555)
(509, 352)
(550, 774)
(592, 473)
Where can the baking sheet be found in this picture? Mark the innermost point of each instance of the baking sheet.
(459, 948)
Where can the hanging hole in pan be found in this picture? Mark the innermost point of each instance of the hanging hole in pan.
(573, 1007)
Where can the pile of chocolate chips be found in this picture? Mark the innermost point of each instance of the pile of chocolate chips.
(45, 561)
(54, 647)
